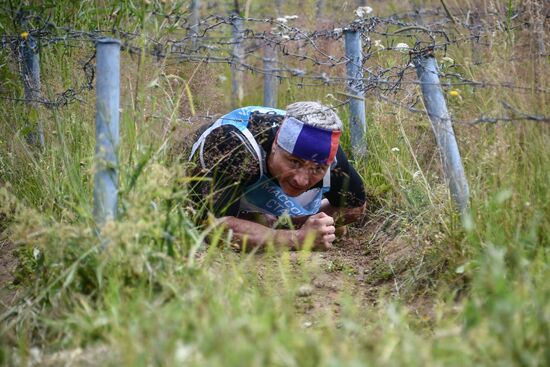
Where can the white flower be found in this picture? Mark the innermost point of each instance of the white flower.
(153, 84)
(35, 354)
(183, 351)
(291, 17)
(281, 20)
(378, 44)
(395, 149)
(403, 47)
(361, 11)
(417, 174)
(447, 61)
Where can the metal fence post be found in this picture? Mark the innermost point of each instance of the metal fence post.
(354, 72)
(427, 71)
(270, 80)
(279, 7)
(237, 92)
(107, 129)
(538, 12)
(475, 33)
(320, 5)
(30, 73)
(194, 20)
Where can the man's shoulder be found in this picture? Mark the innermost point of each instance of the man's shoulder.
(263, 109)
(227, 151)
(244, 113)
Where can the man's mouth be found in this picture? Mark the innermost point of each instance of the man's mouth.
(296, 188)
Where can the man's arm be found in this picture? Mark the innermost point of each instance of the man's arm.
(254, 235)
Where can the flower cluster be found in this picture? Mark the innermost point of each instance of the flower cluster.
(362, 11)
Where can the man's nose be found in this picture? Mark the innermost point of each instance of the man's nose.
(301, 178)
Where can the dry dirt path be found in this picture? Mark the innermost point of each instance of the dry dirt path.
(365, 263)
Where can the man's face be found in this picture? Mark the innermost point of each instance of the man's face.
(295, 175)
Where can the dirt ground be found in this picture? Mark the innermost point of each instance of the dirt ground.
(367, 263)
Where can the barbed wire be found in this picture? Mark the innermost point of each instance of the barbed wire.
(307, 58)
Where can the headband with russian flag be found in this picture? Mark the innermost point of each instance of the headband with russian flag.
(308, 142)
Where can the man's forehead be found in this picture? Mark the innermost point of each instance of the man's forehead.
(290, 155)
(308, 142)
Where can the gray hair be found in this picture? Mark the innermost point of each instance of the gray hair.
(314, 114)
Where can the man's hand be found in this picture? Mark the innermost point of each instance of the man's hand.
(322, 227)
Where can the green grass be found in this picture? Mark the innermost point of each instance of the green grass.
(476, 293)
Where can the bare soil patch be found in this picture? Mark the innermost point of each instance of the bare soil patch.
(370, 262)
(366, 263)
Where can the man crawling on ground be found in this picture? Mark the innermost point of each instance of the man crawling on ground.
(265, 164)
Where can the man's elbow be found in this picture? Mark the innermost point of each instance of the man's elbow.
(228, 221)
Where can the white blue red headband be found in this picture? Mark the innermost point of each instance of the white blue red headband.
(308, 142)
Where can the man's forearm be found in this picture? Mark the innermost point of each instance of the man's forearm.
(254, 235)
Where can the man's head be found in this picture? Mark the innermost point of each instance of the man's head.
(314, 114)
(305, 146)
